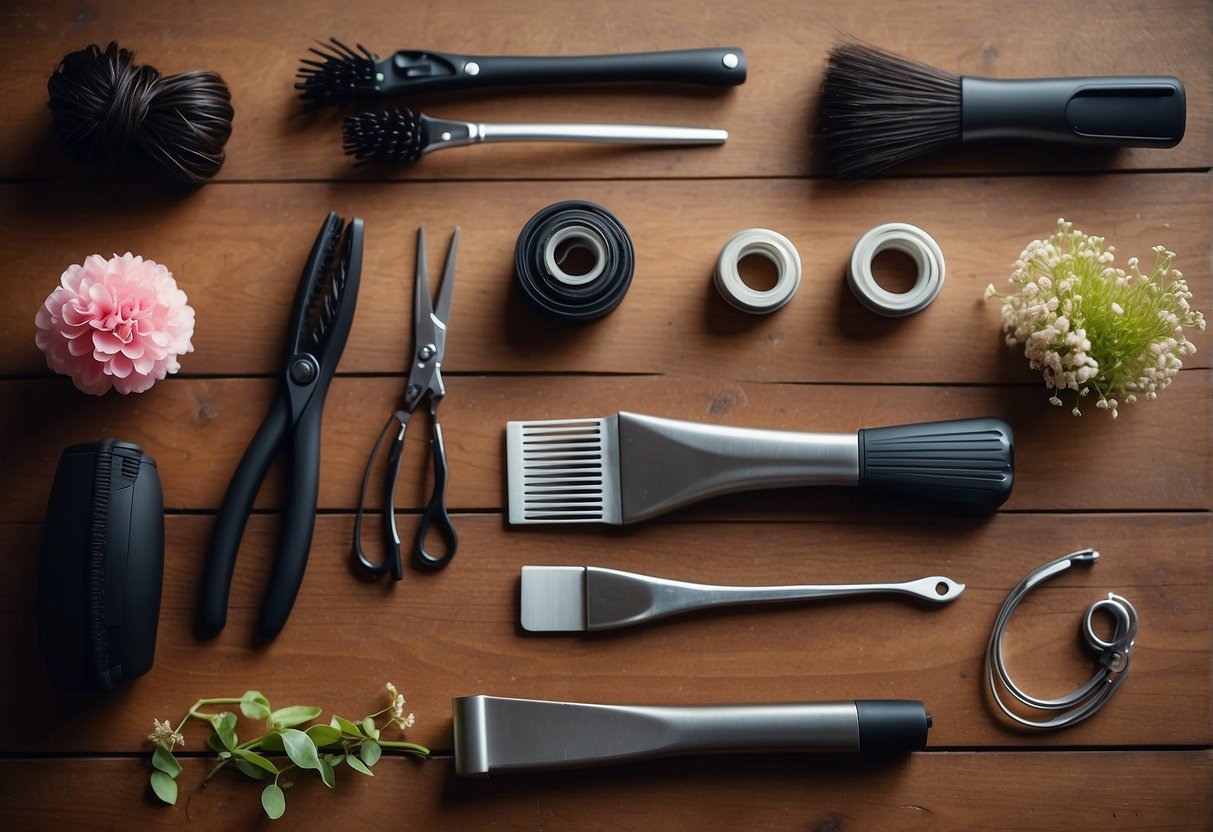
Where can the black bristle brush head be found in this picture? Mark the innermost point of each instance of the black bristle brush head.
(392, 136)
(878, 110)
(341, 74)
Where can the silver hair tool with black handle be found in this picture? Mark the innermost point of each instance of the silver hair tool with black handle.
(630, 467)
(495, 734)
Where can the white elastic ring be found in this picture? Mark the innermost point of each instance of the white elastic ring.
(766, 243)
(580, 236)
(911, 240)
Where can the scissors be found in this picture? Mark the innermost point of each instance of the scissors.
(321, 318)
(425, 381)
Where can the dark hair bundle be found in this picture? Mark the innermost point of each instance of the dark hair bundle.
(103, 103)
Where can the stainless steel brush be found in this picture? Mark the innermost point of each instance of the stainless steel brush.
(630, 467)
(878, 110)
(402, 136)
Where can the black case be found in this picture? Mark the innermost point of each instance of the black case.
(102, 566)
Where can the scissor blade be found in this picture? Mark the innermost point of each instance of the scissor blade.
(443, 310)
(423, 308)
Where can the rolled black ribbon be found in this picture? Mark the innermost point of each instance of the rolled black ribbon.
(572, 297)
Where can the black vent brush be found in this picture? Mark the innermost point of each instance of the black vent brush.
(338, 74)
(402, 136)
(878, 110)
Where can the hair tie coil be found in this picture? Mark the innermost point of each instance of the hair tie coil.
(106, 105)
(566, 226)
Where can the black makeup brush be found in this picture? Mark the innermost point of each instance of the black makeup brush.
(402, 136)
(878, 110)
(337, 73)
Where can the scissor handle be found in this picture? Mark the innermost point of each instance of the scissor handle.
(435, 514)
(391, 538)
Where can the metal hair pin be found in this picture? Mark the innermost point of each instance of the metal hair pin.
(1113, 654)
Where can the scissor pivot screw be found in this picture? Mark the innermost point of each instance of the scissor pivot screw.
(427, 352)
(303, 371)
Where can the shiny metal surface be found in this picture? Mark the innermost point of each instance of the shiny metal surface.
(667, 463)
(442, 133)
(563, 471)
(495, 734)
(574, 598)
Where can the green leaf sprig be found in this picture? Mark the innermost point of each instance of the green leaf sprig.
(283, 747)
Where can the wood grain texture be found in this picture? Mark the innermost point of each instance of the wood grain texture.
(456, 633)
(939, 792)
(1138, 489)
(770, 118)
(238, 250)
(197, 429)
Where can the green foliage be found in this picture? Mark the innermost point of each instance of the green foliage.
(319, 747)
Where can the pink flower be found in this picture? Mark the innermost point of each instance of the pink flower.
(117, 323)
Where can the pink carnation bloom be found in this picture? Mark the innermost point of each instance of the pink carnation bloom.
(117, 323)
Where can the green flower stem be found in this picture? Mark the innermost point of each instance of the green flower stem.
(411, 747)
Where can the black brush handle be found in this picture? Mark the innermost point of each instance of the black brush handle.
(298, 522)
(413, 72)
(968, 462)
(233, 514)
(1134, 111)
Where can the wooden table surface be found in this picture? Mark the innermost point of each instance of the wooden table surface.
(1138, 489)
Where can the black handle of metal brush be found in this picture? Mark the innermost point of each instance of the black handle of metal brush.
(298, 522)
(1133, 111)
(968, 462)
(233, 514)
(413, 72)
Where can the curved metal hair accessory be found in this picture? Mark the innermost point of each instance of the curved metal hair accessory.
(1113, 654)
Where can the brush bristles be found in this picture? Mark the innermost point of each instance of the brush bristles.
(342, 74)
(394, 136)
(878, 110)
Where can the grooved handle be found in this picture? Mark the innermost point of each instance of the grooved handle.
(1139, 111)
(965, 461)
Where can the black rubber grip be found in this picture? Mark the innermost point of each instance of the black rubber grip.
(546, 290)
(233, 514)
(298, 523)
(411, 72)
(892, 726)
(1143, 111)
(969, 462)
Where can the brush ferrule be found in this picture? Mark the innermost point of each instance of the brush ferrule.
(665, 463)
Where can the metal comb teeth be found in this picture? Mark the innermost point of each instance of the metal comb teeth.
(563, 471)
(341, 73)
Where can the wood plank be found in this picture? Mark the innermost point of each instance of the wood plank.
(1168, 790)
(456, 633)
(197, 430)
(237, 251)
(768, 118)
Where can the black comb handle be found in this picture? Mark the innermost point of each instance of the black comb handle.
(1135, 111)
(964, 461)
(412, 72)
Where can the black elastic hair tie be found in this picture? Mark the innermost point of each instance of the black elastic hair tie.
(562, 227)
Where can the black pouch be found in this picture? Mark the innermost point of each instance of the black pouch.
(102, 566)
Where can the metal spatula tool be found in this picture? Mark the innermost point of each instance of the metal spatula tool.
(580, 598)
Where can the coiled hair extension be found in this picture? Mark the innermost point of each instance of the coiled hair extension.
(106, 105)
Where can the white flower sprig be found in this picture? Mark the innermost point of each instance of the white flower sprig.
(1091, 327)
